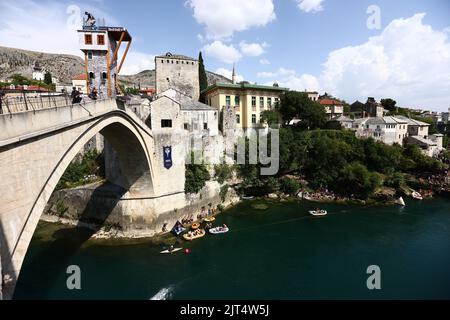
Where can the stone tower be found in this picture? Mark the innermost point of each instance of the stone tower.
(100, 45)
(177, 72)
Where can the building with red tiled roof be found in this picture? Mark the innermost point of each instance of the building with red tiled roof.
(333, 107)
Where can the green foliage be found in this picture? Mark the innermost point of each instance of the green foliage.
(223, 192)
(272, 184)
(203, 79)
(132, 91)
(355, 179)
(389, 104)
(381, 157)
(48, 78)
(270, 117)
(289, 186)
(19, 80)
(196, 177)
(420, 162)
(297, 105)
(91, 164)
(61, 208)
(223, 172)
(395, 180)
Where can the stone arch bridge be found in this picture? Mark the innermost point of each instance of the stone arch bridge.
(36, 146)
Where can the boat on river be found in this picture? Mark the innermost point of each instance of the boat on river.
(168, 251)
(400, 201)
(193, 235)
(219, 230)
(416, 195)
(247, 197)
(195, 226)
(318, 213)
(210, 219)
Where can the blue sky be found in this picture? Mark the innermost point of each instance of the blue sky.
(320, 45)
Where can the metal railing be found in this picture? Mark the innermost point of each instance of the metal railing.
(34, 102)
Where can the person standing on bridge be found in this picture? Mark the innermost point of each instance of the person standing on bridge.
(1, 102)
(94, 94)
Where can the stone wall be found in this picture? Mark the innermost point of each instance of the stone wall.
(103, 204)
(178, 74)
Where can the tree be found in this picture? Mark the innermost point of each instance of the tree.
(289, 186)
(355, 179)
(48, 78)
(295, 104)
(20, 80)
(270, 117)
(389, 104)
(223, 172)
(203, 79)
(196, 176)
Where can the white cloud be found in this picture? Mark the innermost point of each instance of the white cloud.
(252, 49)
(408, 61)
(223, 52)
(264, 62)
(52, 28)
(31, 25)
(289, 78)
(223, 18)
(229, 73)
(136, 62)
(310, 5)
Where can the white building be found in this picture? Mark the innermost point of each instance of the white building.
(344, 121)
(80, 82)
(388, 130)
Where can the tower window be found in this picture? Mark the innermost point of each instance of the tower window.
(101, 39)
(89, 55)
(104, 76)
(238, 119)
(253, 118)
(166, 123)
(88, 38)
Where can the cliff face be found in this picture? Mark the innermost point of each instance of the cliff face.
(16, 61)
(65, 67)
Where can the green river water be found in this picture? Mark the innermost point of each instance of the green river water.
(274, 250)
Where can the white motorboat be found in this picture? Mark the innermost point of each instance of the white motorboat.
(318, 213)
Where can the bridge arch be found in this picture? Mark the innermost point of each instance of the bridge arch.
(134, 174)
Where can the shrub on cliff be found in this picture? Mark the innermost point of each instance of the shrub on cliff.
(289, 186)
(196, 176)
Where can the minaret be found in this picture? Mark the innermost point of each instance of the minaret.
(100, 45)
(233, 78)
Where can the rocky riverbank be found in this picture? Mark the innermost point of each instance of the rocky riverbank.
(85, 207)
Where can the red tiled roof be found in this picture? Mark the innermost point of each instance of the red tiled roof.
(80, 77)
(330, 102)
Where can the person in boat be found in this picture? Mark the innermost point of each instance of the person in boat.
(171, 248)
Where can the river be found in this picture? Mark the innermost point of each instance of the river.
(274, 250)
